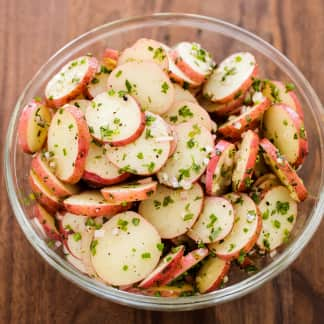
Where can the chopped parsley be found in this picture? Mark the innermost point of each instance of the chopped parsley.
(164, 87)
(122, 224)
(146, 255)
(160, 246)
(135, 221)
(77, 237)
(167, 200)
(282, 207)
(185, 112)
(93, 246)
(119, 73)
(290, 87)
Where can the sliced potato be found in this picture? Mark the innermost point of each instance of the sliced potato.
(70, 81)
(286, 130)
(146, 82)
(232, 77)
(211, 274)
(184, 111)
(33, 126)
(148, 153)
(279, 213)
(128, 251)
(215, 221)
(246, 229)
(281, 167)
(190, 159)
(68, 141)
(172, 212)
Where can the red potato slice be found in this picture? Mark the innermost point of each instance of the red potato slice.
(75, 262)
(146, 50)
(87, 238)
(281, 167)
(70, 81)
(236, 125)
(176, 75)
(148, 153)
(261, 167)
(210, 276)
(220, 168)
(69, 140)
(278, 92)
(246, 229)
(43, 195)
(194, 61)
(161, 273)
(286, 130)
(69, 222)
(47, 221)
(232, 77)
(114, 119)
(174, 141)
(97, 85)
(128, 251)
(191, 157)
(92, 204)
(42, 169)
(279, 213)
(133, 191)
(110, 58)
(146, 82)
(246, 158)
(165, 291)
(215, 221)
(82, 104)
(181, 94)
(172, 212)
(99, 170)
(188, 261)
(73, 244)
(184, 111)
(33, 126)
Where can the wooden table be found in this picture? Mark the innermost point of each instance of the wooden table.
(31, 31)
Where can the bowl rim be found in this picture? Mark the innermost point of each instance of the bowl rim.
(236, 290)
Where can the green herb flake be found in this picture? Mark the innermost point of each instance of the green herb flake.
(125, 267)
(160, 246)
(119, 73)
(185, 112)
(290, 87)
(282, 207)
(164, 87)
(149, 120)
(276, 223)
(290, 219)
(191, 143)
(135, 221)
(111, 92)
(146, 255)
(167, 200)
(140, 156)
(93, 246)
(122, 224)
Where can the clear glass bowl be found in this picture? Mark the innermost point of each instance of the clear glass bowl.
(221, 39)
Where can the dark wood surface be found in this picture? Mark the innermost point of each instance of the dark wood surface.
(31, 31)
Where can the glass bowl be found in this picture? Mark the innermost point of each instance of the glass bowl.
(221, 39)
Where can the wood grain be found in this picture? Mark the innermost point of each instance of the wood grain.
(30, 31)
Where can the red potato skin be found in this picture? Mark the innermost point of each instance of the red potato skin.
(63, 231)
(23, 125)
(220, 278)
(42, 197)
(163, 276)
(250, 163)
(175, 78)
(110, 58)
(186, 69)
(95, 210)
(292, 177)
(229, 131)
(98, 181)
(173, 143)
(221, 146)
(229, 108)
(243, 87)
(303, 143)
(79, 88)
(187, 262)
(51, 232)
(49, 179)
(249, 246)
(84, 140)
(130, 195)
